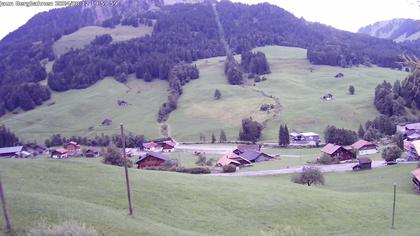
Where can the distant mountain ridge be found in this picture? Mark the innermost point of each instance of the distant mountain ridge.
(399, 30)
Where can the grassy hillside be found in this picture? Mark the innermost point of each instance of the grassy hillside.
(298, 90)
(73, 112)
(177, 204)
(85, 35)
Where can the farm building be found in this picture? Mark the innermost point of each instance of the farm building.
(91, 153)
(364, 147)
(151, 147)
(151, 159)
(59, 153)
(414, 151)
(254, 156)
(11, 151)
(72, 148)
(306, 137)
(168, 146)
(337, 151)
(234, 159)
(409, 128)
(365, 163)
(245, 147)
(416, 179)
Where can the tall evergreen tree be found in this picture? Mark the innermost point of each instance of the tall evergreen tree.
(213, 138)
(361, 131)
(281, 131)
(286, 136)
(222, 138)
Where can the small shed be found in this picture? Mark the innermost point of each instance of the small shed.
(151, 159)
(59, 153)
(90, 153)
(339, 75)
(168, 146)
(416, 179)
(365, 163)
(107, 122)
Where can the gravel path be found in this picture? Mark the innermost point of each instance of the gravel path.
(324, 168)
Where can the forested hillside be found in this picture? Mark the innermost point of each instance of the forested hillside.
(182, 33)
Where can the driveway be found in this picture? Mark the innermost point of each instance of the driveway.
(324, 168)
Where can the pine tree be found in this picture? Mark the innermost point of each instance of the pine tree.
(351, 89)
(281, 131)
(286, 136)
(361, 131)
(222, 138)
(213, 138)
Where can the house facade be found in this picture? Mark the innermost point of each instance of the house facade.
(151, 159)
(364, 147)
(338, 151)
(72, 148)
(168, 146)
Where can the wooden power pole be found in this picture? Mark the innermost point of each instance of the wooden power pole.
(5, 212)
(393, 207)
(130, 208)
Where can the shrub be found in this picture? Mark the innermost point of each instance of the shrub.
(327, 160)
(309, 176)
(391, 153)
(64, 229)
(112, 156)
(418, 164)
(209, 162)
(201, 160)
(229, 168)
(198, 170)
(169, 164)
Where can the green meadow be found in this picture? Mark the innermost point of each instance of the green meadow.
(167, 203)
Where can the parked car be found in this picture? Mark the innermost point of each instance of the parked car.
(390, 163)
(399, 160)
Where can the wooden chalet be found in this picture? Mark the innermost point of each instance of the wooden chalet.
(246, 147)
(254, 156)
(168, 146)
(414, 151)
(11, 151)
(72, 148)
(364, 147)
(59, 153)
(233, 159)
(151, 159)
(150, 146)
(338, 151)
(365, 163)
(416, 179)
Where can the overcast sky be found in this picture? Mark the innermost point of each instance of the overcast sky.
(342, 14)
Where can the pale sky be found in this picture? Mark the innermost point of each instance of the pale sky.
(342, 14)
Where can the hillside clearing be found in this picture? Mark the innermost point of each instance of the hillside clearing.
(298, 90)
(74, 112)
(179, 204)
(85, 35)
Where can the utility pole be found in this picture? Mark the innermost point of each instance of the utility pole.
(393, 207)
(130, 208)
(5, 212)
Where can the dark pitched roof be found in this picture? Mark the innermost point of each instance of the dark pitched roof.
(364, 160)
(250, 155)
(361, 143)
(153, 154)
(330, 148)
(11, 149)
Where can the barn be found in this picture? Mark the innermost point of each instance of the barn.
(364, 147)
(365, 163)
(234, 159)
(254, 156)
(416, 179)
(246, 147)
(151, 159)
(337, 151)
(10, 151)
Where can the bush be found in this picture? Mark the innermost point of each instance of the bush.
(198, 170)
(229, 168)
(327, 160)
(112, 156)
(418, 164)
(201, 160)
(391, 153)
(209, 162)
(309, 176)
(63, 229)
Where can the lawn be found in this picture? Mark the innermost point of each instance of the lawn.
(180, 204)
(84, 36)
(73, 112)
(298, 90)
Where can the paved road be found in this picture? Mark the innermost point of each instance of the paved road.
(324, 168)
